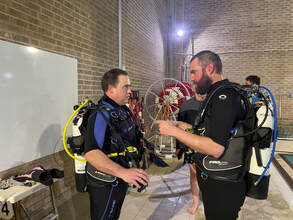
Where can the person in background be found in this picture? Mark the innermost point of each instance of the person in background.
(252, 80)
(255, 80)
(187, 113)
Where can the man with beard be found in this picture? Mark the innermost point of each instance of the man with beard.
(219, 166)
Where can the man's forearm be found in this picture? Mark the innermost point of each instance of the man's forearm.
(102, 163)
(200, 144)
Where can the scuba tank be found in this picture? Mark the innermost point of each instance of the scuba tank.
(264, 141)
(76, 143)
(79, 171)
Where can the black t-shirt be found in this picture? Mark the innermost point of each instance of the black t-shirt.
(189, 110)
(187, 113)
(224, 110)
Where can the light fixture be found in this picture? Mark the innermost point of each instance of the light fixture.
(8, 75)
(180, 32)
(32, 49)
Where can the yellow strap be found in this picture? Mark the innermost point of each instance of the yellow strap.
(130, 149)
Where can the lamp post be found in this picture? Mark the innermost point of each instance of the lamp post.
(184, 64)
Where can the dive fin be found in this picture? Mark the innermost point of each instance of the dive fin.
(56, 173)
(149, 145)
(38, 174)
(158, 161)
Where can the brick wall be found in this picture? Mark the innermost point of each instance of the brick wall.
(144, 29)
(251, 37)
(88, 31)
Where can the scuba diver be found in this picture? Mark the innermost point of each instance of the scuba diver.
(223, 137)
(252, 80)
(111, 146)
(108, 145)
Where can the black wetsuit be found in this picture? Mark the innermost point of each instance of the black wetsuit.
(221, 199)
(106, 201)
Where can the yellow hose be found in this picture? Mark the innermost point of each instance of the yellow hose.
(65, 130)
(129, 149)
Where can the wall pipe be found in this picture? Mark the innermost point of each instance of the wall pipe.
(249, 51)
(120, 33)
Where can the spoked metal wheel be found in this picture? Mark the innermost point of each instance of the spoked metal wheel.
(164, 98)
(162, 102)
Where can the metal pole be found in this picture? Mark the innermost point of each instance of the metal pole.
(53, 200)
(280, 108)
(120, 32)
(192, 46)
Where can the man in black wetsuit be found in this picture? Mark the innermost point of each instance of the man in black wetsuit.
(101, 146)
(219, 165)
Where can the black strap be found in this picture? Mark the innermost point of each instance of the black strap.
(116, 134)
(258, 155)
(200, 116)
(237, 88)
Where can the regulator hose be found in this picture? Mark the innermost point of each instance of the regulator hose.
(65, 130)
(274, 137)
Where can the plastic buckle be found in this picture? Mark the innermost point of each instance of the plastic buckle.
(114, 114)
(115, 183)
(114, 140)
(203, 175)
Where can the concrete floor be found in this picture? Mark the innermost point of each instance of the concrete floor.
(168, 196)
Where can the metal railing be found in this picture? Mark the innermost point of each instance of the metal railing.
(285, 115)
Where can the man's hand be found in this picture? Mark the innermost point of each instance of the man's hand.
(166, 128)
(169, 128)
(134, 175)
(101, 162)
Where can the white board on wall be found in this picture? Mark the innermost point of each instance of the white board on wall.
(37, 92)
